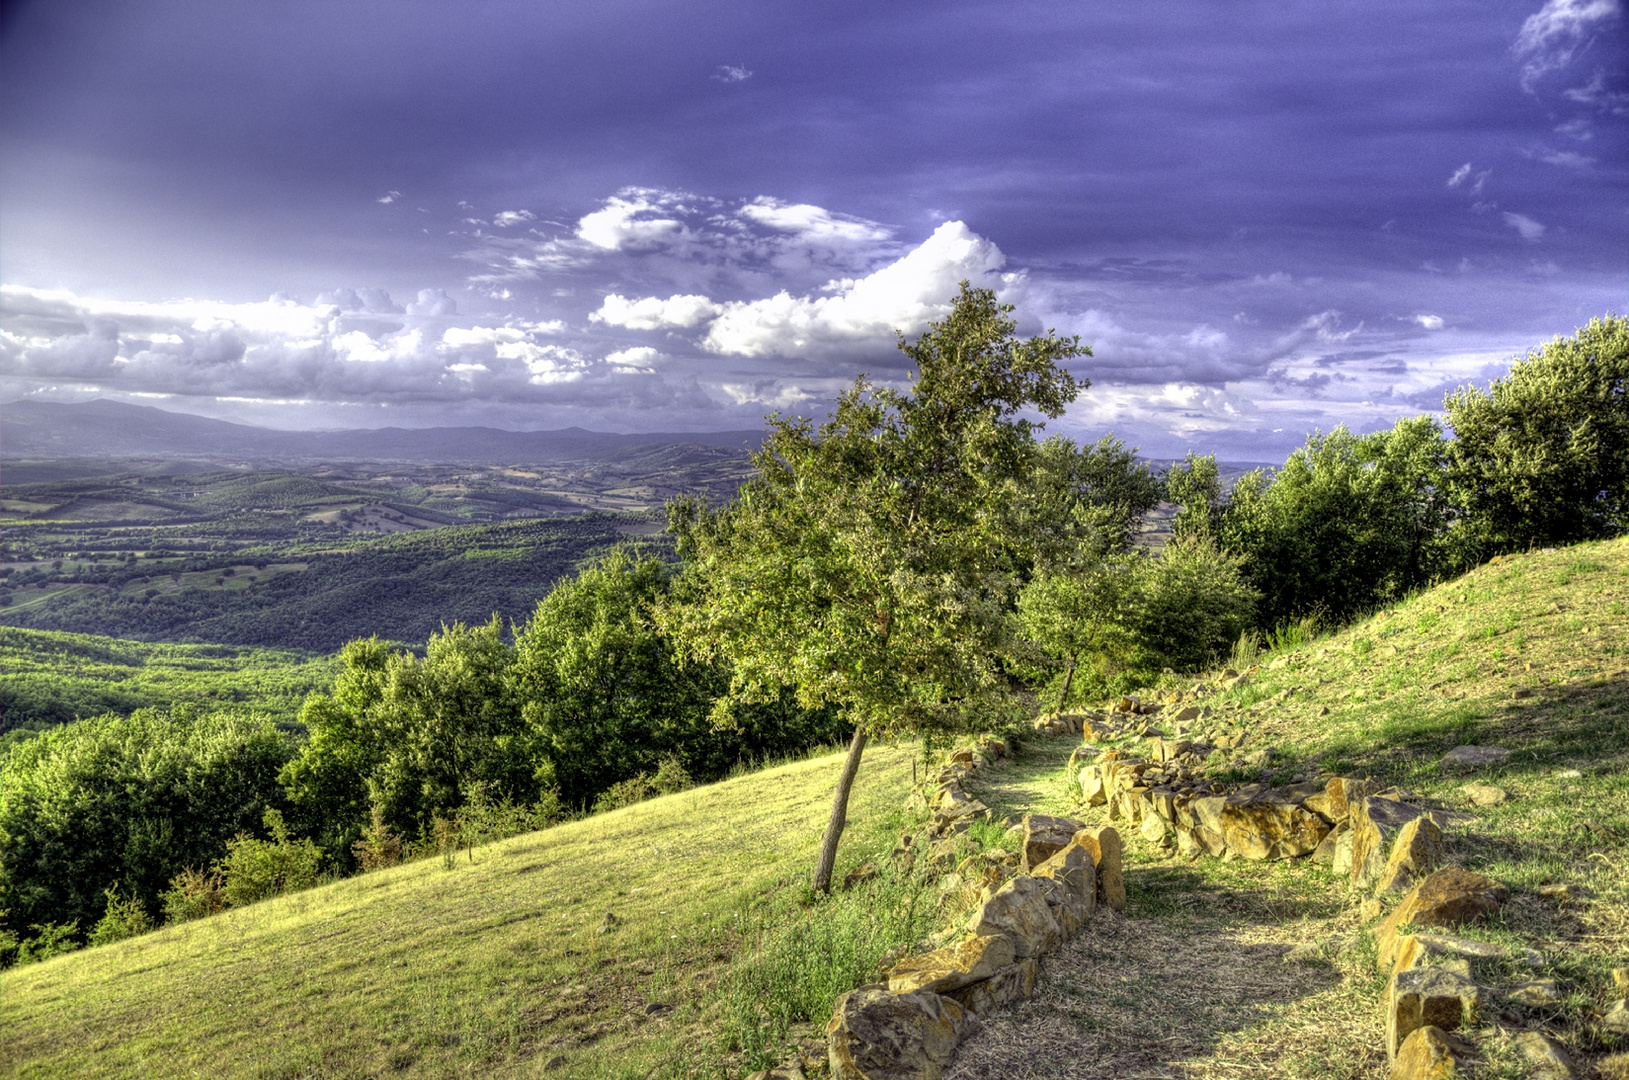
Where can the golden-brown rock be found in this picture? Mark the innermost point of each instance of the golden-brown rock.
(1429, 1053)
(970, 960)
(876, 1035)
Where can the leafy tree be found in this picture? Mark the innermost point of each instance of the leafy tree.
(127, 799)
(255, 869)
(1347, 523)
(606, 697)
(1542, 456)
(870, 563)
(412, 736)
(1192, 601)
(1081, 615)
(1196, 486)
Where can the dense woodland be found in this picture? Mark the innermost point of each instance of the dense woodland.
(924, 562)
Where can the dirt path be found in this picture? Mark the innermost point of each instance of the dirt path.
(1192, 981)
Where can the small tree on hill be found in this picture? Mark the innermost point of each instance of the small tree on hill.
(870, 563)
(1542, 456)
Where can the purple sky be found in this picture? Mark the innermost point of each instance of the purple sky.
(1265, 218)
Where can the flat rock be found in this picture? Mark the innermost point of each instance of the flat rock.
(943, 970)
(876, 1035)
(1616, 1019)
(1015, 982)
(1545, 1057)
(1484, 794)
(1448, 898)
(1539, 993)
(1474, 757)
(1265, 825)
(1108, 853)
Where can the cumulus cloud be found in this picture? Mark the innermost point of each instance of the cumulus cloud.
(284, 350)
(903, 296)
(389, 197)
(1529, 229)
(508, 219)
(1550, 37)
(433, 302)
(680, 312)
(732, 73)
(1429, 322)
(637, 219)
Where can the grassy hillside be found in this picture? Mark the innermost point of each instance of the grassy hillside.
(49, 678)
(1530, 654)
(495, 967)
(498, 967)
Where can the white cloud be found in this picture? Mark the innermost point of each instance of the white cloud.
(639, 358)
(1530, 230)
(639, 219)
(1596, 95)
(510, 218)
(1430, 322)
(812, 223)
(903, 296)
(1551, 36)
(1460, 174)
(732, 73)
(389, 197)
(653, 313)
(1566, 158)
(433, 302)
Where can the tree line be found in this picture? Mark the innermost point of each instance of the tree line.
(922, 562)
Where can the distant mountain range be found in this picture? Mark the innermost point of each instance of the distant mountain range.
(47, 429)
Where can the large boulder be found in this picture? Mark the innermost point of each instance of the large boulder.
(876, 1035)
(1427, 996)
(1045, 836)
(951, 968)
(1019, 910)
(1015, 982)
(1265, 825)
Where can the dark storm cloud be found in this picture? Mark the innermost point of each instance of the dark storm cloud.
(1260, 217)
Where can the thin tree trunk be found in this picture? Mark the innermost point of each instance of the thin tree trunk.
(1068, 677)
(839, 813)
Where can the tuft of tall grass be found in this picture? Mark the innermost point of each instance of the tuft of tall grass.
(798, 966)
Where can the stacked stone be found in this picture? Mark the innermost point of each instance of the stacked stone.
(909, 1026)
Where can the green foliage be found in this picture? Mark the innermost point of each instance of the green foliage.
(1193, 601)
(380, 846)
(1542, 456)
(125, 917)
(412, 736)
(50, 939)
(194, 894)
(1196, 487)
(131, 799)
(1118, 621)
(52, 678)
(1348, 523)
(256, 869)
(870, 563)
(609, 700)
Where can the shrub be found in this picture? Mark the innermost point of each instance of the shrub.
(1193, 601)
(625, 793)
(379, 847)
(125, 918)
(671, 776)
(1542, 456)
(255, 869)
(50, 939)
(194, 894)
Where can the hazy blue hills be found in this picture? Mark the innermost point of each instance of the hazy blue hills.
(111, 429)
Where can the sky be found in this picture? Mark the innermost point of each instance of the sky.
(1264, 218)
